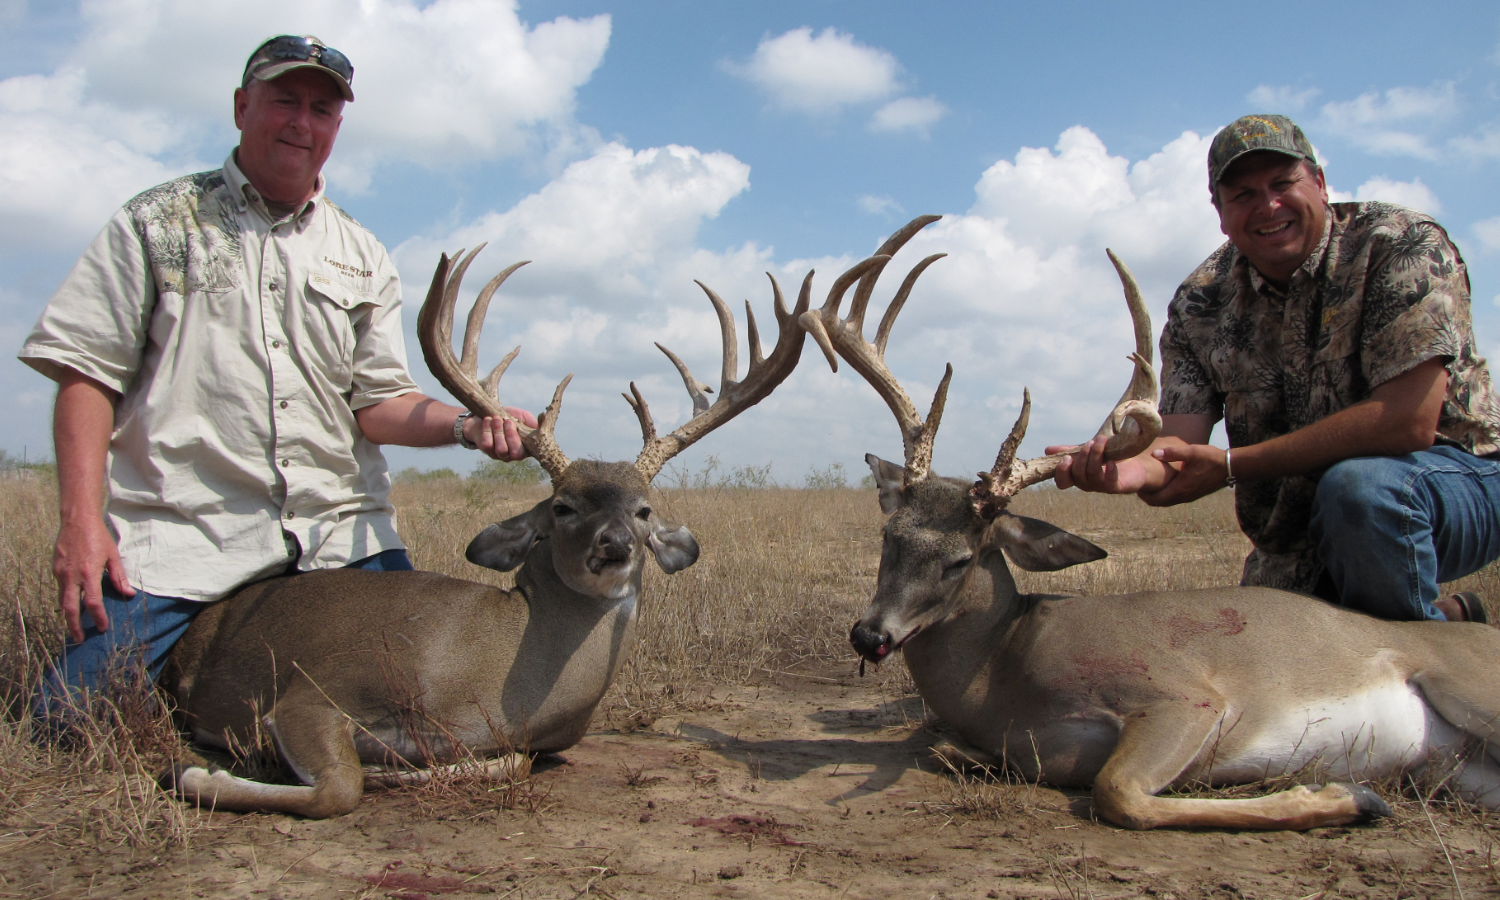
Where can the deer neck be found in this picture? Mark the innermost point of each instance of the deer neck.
(572, 649)
(951, 660)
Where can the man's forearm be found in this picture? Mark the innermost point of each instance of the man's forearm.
(1400, 417)
(411, 420)
(82, 423)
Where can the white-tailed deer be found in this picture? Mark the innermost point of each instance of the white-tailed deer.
(1137, 693)
(376, 676)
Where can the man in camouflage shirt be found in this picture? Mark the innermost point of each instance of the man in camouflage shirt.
(229, 356)
(1335, 342)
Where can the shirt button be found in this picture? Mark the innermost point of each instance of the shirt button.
(291, 515)
(273, 285)
(284, 404)
(276, 345)
(284, 464)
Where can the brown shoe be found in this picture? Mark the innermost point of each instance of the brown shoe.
(1469, 606)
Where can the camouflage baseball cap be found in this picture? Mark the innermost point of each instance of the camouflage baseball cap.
(283, 53)
(1250, 133)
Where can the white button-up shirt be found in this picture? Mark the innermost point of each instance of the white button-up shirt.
(241, 347)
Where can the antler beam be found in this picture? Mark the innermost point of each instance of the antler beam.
(846, 338)
(762, 377)
(461, 376)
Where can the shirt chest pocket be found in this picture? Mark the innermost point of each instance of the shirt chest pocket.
(329, 316)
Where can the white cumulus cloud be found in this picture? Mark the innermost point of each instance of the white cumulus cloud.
(879, 205)
(1412, 194)
(916, 114)
(819, 72)
(437, 83)
(1488, 232)
(1391, 122)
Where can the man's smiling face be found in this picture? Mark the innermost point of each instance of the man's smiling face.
(1273, 208)
(287, 128)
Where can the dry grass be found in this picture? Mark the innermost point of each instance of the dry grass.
(783, 573)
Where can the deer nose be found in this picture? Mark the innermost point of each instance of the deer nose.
(869, 643)
(616, 542)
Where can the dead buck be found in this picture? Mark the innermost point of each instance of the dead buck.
(373, 677)
(1137, 693)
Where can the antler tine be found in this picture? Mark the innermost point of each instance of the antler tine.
(475, 323)
(818, 323)
(1134, 417)
(752, 333)
(730, 370)
(642, 412)
(883, 333)
(1131, 426)
(460, 376)
(919, 457)
(762, 377)
(892, 244)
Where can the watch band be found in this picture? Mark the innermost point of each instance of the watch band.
(458, 432)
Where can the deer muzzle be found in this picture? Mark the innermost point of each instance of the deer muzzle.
(870, 644)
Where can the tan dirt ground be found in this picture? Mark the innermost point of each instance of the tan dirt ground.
(814, 785)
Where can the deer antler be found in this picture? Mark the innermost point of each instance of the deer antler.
(846, 336)
(460, 376)
(1131, 426)
(762, 377)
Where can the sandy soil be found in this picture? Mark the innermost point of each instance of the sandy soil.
(804, 786)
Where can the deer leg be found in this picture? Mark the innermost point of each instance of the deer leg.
(1160, 743)
(315, 740)
(960, 754)
(508, 766)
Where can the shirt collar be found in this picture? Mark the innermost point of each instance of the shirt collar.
(247, 197)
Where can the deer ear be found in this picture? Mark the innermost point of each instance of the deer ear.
(674, 546)
(504, 545)
(1037, 546)
(890, 479)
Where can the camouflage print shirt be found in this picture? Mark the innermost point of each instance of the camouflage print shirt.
(241, 341)
(1383, 292)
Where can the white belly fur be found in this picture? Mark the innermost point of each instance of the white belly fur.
(1385, 729)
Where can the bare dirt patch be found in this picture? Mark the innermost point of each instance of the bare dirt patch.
(800, 786)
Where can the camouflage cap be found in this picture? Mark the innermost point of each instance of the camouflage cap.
(283, 53)
(1250, 133)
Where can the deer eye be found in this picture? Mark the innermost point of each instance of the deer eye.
(957, 567)
(644, 513)
(562, 509)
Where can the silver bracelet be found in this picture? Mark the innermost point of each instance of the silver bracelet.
(1229, 481)
(458, 432)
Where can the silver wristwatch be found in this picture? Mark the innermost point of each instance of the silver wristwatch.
(458, 432)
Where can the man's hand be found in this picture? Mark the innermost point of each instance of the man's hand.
(497, 437)
(1087, 470)
(81, 425)
(1201, 470)
(84, 553)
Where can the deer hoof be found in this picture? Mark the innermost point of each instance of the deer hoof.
(1370, 804)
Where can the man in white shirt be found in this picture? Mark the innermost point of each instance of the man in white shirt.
(229, 349)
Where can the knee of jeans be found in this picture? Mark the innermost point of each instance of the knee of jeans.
(1351, 489)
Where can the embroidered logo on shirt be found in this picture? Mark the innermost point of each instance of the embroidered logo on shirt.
(351, 271)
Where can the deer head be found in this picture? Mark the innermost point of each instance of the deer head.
(598, 521)
(939, 527)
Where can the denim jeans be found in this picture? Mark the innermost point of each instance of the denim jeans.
(142, 630)
(1389, 528)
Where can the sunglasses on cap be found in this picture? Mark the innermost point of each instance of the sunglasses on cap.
(302, 49)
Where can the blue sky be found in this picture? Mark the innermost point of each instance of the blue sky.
(628, 148)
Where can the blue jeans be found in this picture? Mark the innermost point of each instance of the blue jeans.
(142, 630)
(1389, 528)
